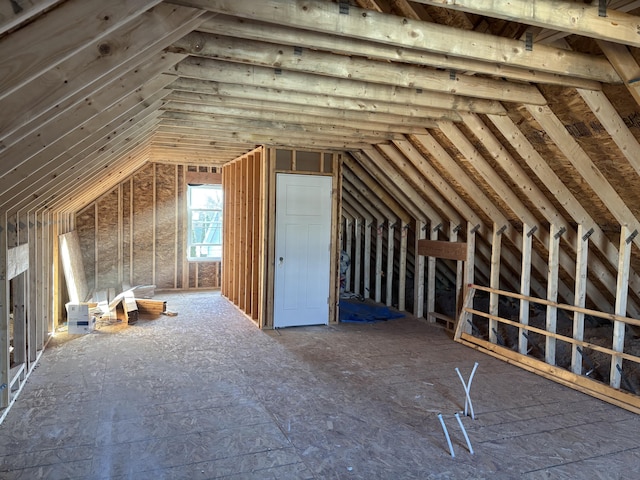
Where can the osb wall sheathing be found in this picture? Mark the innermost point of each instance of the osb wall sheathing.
(165, 226)
(143, 213)
(147, 212)
(85, 225)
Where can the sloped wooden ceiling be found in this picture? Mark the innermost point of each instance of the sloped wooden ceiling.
(520, 114)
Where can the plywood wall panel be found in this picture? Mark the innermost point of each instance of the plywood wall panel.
(143, 226)
(150, 206)
(85, 225)
(107, 240)
(126, 232)
(165, 236)
(208, 275)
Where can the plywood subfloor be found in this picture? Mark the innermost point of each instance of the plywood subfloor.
(208, 395)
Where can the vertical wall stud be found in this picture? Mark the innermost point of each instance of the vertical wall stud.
(525, 288)
(494, 280)
(552, 293)
(622, 291)
(582, 256)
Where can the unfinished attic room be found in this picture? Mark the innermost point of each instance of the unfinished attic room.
(315, 239)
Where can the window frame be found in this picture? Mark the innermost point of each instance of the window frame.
(190, 212)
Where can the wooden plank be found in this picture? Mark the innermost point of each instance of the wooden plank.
(11, 17)
(49, 95)
(418, 270)
(431, 271)
(423, 36)
(203, 178)
(266, 121)
(462, 324)
(552, 293)
(269, 32)
(525, 288)
(608, 116)
(30, 51)
(357, 68)
(402, 268)
(442, 249)
(582, 260)
(470, 265)
(578, 19)
(292, 99)
(496, 248)
(348, 246)
(569, 379)
(622, 291)
(357, 257)
(258, 76)
(625, 65)
(336, 206)
(5, 393)
(388, 274)
(147, 306)
(569, 307)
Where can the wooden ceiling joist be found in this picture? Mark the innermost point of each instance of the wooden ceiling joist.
(321, 16)
(292, 119)
(269, 32)
(30, 51)
(297, 99)
(259, 76)
(107, 96)
(570, 17)
(69, 135)
(315, 62)
(76, 78)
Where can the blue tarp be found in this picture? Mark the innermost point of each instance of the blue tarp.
(360, 312)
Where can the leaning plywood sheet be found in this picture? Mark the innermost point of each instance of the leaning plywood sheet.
(73, 267)
(17, 260)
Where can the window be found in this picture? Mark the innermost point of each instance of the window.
(205, 222)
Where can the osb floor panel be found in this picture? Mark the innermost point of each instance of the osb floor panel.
(207, 395)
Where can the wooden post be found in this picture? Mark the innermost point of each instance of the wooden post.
(459, 280)
(366, 287)
(390, 252)
(349, 221)
(582, 257)
(378, 279)
(418, 271)
(494, 280)
(552, 292)
(357, 261)
(622, 291)
(5, 391)
(525, 287)
(402, 269)
(431, 276)
(469, 271)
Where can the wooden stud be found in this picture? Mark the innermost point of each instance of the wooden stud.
(582, 257)
(552, 292)
(525, 288)
(418, 271)
(431, 276)
(496, 248)
(619, 328)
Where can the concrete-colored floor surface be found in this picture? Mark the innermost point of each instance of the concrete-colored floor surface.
(208, 395)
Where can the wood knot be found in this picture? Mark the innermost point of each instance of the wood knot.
(104, 49)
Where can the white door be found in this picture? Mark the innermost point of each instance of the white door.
(303, 260)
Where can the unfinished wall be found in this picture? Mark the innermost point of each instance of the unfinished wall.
(244, 229)
(135, 234)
